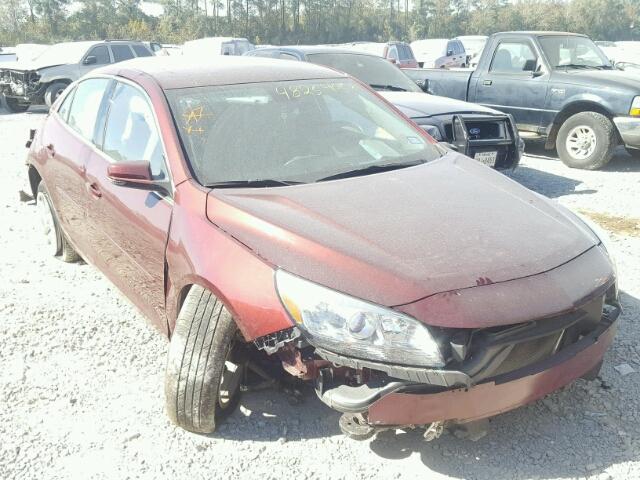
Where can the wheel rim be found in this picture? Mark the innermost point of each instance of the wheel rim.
(47, 224)
(581, 142)
(231, 377)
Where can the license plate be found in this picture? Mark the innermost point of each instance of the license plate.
(486, 158)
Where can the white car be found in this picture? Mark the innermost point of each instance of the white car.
(439, 53)
(474, 45)
(217, 46)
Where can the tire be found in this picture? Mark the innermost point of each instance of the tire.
(203, 351)
(14, 107)
(586, 140)
(53, 91)
(56, 241)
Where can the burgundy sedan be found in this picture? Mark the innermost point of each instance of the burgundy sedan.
(284, 211)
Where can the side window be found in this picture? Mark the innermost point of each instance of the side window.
(121, 53)
(450, 51)
(141, 51)
(514, 57)
(85, 108)
(64, 108)
(392, 53)
(101, 53)
(287, 56)
(460, 47)
(131, 132)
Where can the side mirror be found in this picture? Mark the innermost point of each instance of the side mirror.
(90, 60)
(131, 174)
(449, 53)
(423, 83)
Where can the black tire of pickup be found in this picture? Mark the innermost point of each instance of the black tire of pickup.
(605, 140)
(14, 106)
(53, 91)
(204, 346)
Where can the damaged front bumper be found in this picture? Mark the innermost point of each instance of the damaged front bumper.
(511, 368)
(20, 85)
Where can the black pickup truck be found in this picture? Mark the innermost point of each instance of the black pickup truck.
(558, 86)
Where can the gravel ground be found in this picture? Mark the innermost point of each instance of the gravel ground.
(82, 375)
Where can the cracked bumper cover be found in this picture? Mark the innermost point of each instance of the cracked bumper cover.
(629, 129)
(404, 402)
(502, 393)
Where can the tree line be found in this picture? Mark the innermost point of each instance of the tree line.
(310, 21)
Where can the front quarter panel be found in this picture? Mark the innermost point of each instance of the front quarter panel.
(200, 253)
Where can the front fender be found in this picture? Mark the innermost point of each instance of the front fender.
(67, 73)
(200, 253)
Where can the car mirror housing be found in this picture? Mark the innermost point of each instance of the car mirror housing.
(131, 174)
(90, 60)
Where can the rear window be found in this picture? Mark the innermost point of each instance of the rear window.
(296, 131)
(121, 52)
(141, 51)
(371, 70)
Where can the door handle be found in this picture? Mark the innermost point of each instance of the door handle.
(94, 190)
(487, 83)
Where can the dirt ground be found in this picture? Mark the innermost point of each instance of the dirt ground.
(82, 374)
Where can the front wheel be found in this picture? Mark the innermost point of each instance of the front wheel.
(205, 364)
(53, 92)
(586, 140)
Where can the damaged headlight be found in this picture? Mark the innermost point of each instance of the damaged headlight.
(350, 326)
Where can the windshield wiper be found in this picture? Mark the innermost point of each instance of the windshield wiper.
(252, 183)
(392, 88)
(385, 167)
(575, 65)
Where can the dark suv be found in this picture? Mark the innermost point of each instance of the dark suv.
(41, 81)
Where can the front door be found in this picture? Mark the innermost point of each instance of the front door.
(516, 83)
(134, 222)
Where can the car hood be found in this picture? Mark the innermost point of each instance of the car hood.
(418, 104)
(608, 78)
(26, 65)
(399, 236)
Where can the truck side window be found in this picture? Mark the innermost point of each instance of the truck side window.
(101, 53)
(514, 57)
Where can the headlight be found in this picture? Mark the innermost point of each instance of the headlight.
(635, 107)
(433, 131)
(346, 325)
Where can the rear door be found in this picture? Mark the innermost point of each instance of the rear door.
(516, 82)
(134, 222)
(121, 52)
(69, 140)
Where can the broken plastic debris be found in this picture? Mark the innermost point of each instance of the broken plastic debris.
(624, 369)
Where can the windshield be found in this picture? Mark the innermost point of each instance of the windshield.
(296, 131)
(60, 53)
(374, 71)
(573, 52)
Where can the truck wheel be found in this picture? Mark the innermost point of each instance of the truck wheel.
(55, 240)
(205, 364)
(14, 106)
(586, 140)
(53, 92)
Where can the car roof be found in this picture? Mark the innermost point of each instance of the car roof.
(183, 72)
